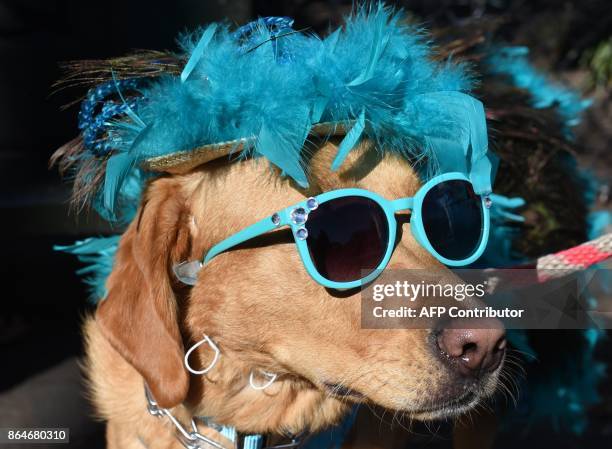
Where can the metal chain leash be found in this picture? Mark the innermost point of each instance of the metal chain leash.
(190, 439)
(193, 439)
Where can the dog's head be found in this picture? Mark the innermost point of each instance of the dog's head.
(260, 306)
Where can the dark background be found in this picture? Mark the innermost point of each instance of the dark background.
(43, 300)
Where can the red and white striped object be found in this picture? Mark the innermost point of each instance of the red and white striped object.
(576, 258)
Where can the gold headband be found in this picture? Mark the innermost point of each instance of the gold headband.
(186, 160)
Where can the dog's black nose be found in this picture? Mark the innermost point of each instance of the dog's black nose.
(473, 346)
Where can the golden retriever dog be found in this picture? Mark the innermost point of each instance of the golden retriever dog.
(265, 313)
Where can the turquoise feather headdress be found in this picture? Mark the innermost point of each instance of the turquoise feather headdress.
(263, 89)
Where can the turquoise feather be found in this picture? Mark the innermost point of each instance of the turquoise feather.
(349, 141)
(98, 253)
(198, 52)
(514, 62)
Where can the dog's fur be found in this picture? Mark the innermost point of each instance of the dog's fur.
(261, 307)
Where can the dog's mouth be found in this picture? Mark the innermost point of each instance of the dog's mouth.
(441, 409)
(456, 402)
(448, 408)
(453, 400)
(343, 391)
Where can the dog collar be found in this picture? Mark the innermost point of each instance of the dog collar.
(191, 438)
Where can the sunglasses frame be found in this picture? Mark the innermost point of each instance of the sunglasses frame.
(292, 216)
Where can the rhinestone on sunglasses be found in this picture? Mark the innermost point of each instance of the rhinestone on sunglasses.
(302, 234)
(312, 204)
(299, 216)
(276, 219)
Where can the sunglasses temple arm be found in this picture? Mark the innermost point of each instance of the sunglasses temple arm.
(248, 233)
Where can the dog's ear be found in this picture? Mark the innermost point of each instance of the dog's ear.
(139, 315)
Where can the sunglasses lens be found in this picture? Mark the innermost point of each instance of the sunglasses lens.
(346, 236)
(453, 219)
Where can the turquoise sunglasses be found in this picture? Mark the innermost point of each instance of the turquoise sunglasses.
(346, 237)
